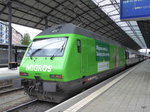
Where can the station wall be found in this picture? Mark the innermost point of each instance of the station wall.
(4, 56)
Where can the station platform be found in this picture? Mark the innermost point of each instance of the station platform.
(128, 92)
(3, 65)
(6, 73)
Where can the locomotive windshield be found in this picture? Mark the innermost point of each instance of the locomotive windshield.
(47, 47)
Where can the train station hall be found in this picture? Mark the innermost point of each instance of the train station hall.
(74, 56)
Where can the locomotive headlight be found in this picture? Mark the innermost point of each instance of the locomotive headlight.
(23, 74)
(56, 76)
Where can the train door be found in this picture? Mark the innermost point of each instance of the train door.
(127, 57)
(81, 47)
(80, 52)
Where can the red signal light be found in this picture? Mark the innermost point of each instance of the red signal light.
(59, 76)
(23, 74)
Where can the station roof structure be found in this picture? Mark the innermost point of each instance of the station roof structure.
(91, 15)
(145, 29)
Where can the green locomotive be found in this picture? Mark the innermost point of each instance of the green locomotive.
(65, 59)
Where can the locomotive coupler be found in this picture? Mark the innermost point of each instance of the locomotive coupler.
(38, 84)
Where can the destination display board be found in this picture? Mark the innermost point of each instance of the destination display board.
(134, 9)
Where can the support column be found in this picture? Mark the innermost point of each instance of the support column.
(16, 55)
(10, 33)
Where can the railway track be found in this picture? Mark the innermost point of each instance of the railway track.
(32, 106)
(9, 89)
(21, 106)
(6, 82)
(5, 87)
(12, 97)
(14, 100)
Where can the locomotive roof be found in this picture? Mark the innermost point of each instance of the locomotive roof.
(73, 29)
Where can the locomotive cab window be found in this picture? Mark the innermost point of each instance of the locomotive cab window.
(47, 47)
(79, 46)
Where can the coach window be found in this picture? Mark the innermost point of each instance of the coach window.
(79, 46)
(127, 55)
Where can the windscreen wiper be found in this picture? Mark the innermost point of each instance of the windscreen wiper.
(38, 50)
(58, 50)
(34, 52)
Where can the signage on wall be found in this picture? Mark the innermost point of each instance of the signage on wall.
(134, 9)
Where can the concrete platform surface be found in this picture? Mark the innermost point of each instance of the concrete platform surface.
(6, 73)
(128, 91)
(131, 94)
